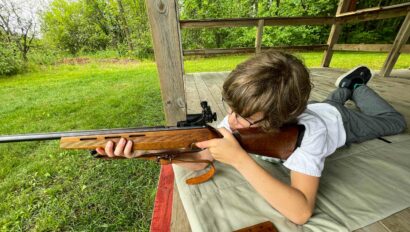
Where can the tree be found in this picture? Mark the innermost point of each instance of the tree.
(92, 25)
(66, 24)
(18, 25)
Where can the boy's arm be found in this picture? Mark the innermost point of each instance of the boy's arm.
(296, 202)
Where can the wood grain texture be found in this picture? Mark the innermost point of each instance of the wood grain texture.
(401, 38)
(399, 222)
(150, 140)
(374, 13)
(362, 15)
(259, 34)
(334, 34)
(253, 22)
(163, 19)
(179, 219)
(369, 47)
(215, 51)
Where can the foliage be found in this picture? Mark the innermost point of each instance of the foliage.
(66, 26)
(95, 25)
(18, 25)
(245, 37)
(10, 59)
(380, 31)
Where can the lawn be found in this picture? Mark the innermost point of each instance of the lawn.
(44, 188)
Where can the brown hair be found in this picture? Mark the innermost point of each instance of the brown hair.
(274, 83)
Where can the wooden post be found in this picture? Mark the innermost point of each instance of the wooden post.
(259, 34)
(164, 20)
(401, 39)
(334, 34)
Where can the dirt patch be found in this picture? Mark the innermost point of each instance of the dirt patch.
(85, 60)
(118, 61)
(77, 60)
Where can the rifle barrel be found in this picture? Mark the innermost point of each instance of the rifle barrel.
(59, 135)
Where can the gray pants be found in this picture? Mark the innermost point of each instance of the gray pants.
(376, 118)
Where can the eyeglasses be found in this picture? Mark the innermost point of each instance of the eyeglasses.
(239, 118)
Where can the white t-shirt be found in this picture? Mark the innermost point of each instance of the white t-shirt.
(324, 133)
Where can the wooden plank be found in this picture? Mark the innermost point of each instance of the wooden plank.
(253, 22)
(206, 95)
(399, 222)
(216, 51)
(401, 38)
(375, 227)
(334, 34)
(192, 95)
(374, 13)
(368, 14)
(369, 47)
(179, 219)
(163, 18)
(259, 34)
(214, 83)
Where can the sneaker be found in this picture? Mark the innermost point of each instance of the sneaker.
(354, 78)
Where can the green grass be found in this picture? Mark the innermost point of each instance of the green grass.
(344, 60)
(44, 188)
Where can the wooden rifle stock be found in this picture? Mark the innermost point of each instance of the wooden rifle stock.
(278, 144)
(171, 139)
(172, 143)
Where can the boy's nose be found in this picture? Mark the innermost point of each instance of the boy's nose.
(234, 123)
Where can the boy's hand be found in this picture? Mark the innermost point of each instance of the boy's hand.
(226, 150)
(123, 148)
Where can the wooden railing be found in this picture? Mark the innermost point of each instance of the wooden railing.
(300, 48)
(350, 17)
(341, 17)
(166, 26)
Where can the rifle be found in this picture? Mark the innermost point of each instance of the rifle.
(171, 143)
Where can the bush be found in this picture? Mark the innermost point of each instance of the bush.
(42, 54)
(10, 59)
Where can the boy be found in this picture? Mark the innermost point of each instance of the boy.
(272, 89)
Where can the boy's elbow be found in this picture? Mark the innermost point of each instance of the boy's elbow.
(302, 217)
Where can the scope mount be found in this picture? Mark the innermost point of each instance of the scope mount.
(207, 116)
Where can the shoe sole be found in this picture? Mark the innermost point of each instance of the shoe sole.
(339, 79)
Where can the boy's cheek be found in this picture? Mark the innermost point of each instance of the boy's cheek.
(233, 124)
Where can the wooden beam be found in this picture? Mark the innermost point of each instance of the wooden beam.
(253, 22)
(369, 47)
(374, 13)
(320, 47)
(368, 14)
(163, 18)
(259, 33)
(334, 34)
(217, 51)
(401, 38)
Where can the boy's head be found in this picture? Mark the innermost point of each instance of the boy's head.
(275, 86)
